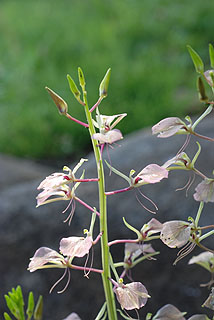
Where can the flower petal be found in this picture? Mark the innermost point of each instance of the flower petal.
(168, 127)
(153, 173)
(205, 191)
(76, 246)
(169, 312)
(42, 256)
(175, 233)
(109, 137)
(132, 295)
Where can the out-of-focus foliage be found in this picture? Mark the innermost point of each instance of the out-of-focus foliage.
(144, 42)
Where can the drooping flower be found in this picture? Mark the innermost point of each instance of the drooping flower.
(109, 137)
(169, 312)
(168, 127)
(153, 226)
(132, 295)
(152, 173)
(72, 316)
(180, 160)
(46, 255)
(175, 233)
(205, 260)
(76, 246)
(205, 191)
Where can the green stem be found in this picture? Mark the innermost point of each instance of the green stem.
(199, 213)
(107, 285)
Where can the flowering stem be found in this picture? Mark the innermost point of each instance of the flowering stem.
(96, 104)
(202, 137)
(86, 180)
(109, 295)
(206, 235)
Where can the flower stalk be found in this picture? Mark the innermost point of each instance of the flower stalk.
(109, 295)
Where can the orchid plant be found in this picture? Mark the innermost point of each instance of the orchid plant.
(185, 235)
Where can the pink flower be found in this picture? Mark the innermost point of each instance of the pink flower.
(46, 255)
(169, 312)
(153, 226)
(205, 191)
(132, 295)
(168, 127)
(109, 137)
(76, 246)
(152, 173)
(175, 233)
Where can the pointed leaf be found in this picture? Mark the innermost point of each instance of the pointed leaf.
(198, 63)
(6, 316)
(81, 78)
(38, 309)
(59, 102)
(30, 306)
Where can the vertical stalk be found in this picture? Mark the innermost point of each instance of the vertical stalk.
(107, 285)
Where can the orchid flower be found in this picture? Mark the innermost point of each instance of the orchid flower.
(169, 127)
(175, 234)
(205, 191)
(57, 185)
(106, 125)
(205, 260)
(168, 312)
(132, 295)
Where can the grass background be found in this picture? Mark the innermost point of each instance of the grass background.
(144, 42)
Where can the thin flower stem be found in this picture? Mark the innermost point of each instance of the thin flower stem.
(108, 193)
(106, 275)
(114, 269)
(206, 235)
(86, 205)
(199, 213)
(149, 255)
(122, 241)
(96, 104)
(201, 136)
(199, 173)
(206, 112)
(77, 121)
(87, 180)
(72, 266)
(119, 264)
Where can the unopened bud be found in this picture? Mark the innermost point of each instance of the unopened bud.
(201, 90)
(211, 52)
(81, 78)
(103, 89)
(59, 102)
(73, 87)
(198, 63)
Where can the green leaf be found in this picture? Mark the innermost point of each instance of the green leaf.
(198, 63)
(11, 305)
(122, 175)
(103, 89)
(102, 313)
(38, 309)
(211, 52)
(73, 87)
(6, 316)
(30, 306)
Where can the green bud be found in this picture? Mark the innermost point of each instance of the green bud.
(201, 90)
(198, 63)
(59, 102)
(30, 306)
(81, 78)
(103, 89)
(38, 309)
(211, 52)
(73, 87)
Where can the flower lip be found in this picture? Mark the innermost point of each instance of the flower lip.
(168, 127)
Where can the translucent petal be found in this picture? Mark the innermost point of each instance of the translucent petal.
(76, 246)
(153, 173)
(175, 233)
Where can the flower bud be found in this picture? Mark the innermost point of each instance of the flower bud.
(103, 89)
(59, 102)
(198, 63)
(73, 87)
(201, 90)
(81, 78)
(211, 53)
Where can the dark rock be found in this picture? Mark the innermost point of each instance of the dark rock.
(23, 228)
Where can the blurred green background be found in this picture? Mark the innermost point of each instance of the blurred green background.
(143, 41)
